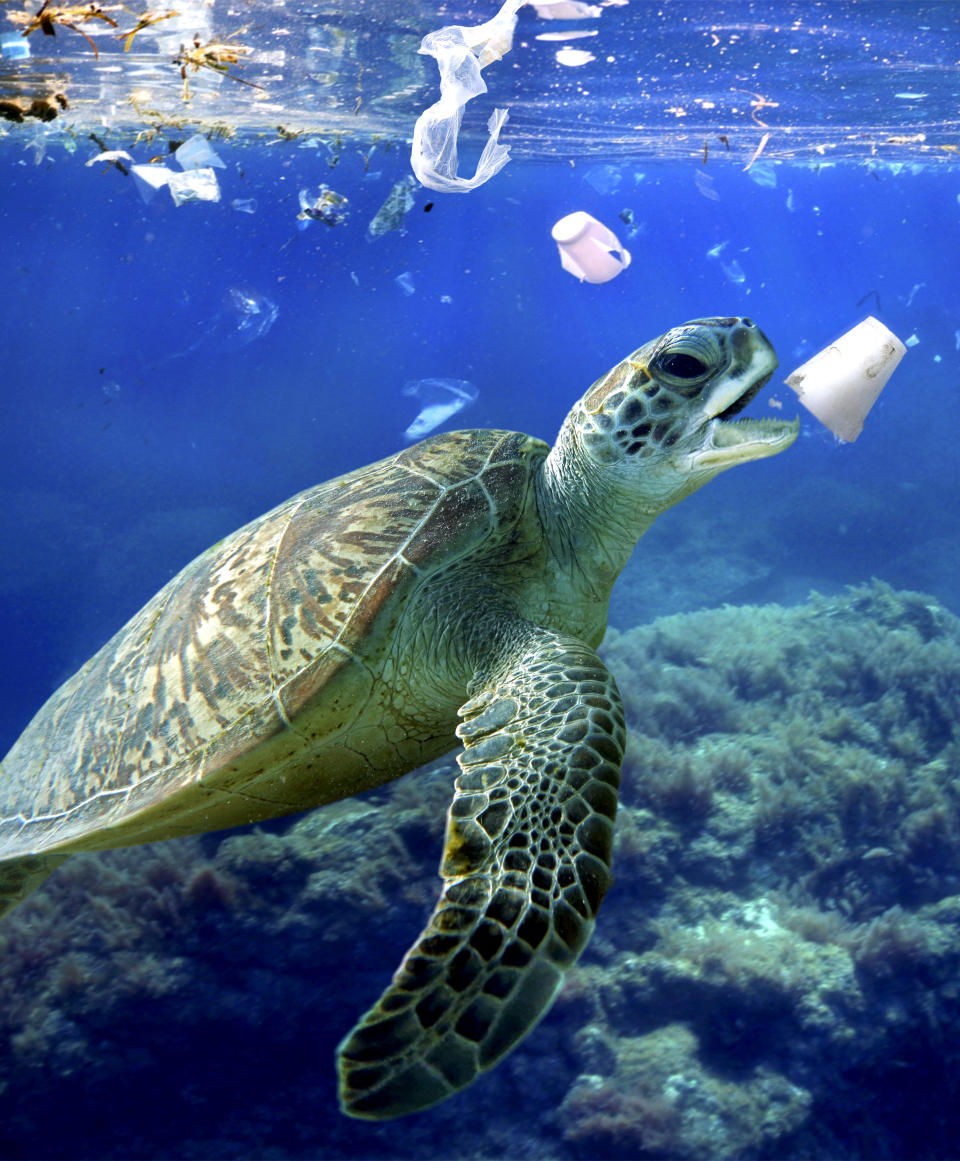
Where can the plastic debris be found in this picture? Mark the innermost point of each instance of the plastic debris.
(588, 249)
(565, 9)
(912, 341)
(764, 173)
(196, 153)
(391, 214)
(461, 53)
(842, 382)
(569, 34)
(629, 219)
(704, 183)
(605, 179)
(732, 270)
(244, 205)
(405, 282)
(149, 179)
(194, 185)
(574, 57)
(441, 398)
(14, 48)
(245, 316)
(325, 206)
(109, 155)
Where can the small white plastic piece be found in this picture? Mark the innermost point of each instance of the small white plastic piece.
(588, 249)
(842, 382)
(565, 9)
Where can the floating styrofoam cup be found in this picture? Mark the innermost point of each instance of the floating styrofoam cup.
(842, 382)
(588, 250)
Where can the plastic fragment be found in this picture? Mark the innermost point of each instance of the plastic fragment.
(196, 153)
(441, 398)
(565, 9)
(149, 179)
(840, 383)
(244, 205)
(195, 185)
(390, 215)
(109, 155)
(405, 282)
(326, 206)
(14, 48)
(574, 57)
(461, 53)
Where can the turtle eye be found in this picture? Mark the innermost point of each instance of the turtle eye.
(683, 366)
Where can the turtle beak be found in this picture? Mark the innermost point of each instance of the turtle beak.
(732, 441)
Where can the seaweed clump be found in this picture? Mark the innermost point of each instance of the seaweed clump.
(781, 944)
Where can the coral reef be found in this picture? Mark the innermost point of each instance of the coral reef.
(774, 973)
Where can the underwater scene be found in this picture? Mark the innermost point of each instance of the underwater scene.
(294, 293)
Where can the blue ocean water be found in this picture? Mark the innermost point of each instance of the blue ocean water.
(169, 372)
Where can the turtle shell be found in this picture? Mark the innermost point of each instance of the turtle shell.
(210, 706)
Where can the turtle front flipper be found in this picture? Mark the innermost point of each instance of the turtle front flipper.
(526, 864)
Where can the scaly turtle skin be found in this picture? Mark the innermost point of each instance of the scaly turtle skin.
(337, 642)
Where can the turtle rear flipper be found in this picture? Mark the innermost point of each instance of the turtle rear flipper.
(526, 864)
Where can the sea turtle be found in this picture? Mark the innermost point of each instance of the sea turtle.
(336, 642)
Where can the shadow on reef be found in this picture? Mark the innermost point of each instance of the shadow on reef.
(774, 975)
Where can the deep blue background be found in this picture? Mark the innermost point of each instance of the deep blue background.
(132, 439)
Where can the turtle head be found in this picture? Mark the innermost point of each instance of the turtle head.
(662, 421)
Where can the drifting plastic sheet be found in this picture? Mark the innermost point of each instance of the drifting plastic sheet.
(441, 398)
(565, 9)
(196, 153)
(193, 185)
(390, 216)
(461, 53)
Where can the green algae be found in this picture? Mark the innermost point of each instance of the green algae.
(786, 917)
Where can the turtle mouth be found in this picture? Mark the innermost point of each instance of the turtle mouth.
(731, 441)
(743, 400)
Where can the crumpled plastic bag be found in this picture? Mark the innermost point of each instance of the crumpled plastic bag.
(461, 53)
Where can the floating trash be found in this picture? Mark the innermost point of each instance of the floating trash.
(764, 173)
(109, 155)
(565, 9)
(196, 153)
(391, 214)
(842, 382)
(325, 206)
(575, 34)
(733, 271)
(405, 282)
(246, 316)
(194, 185)
(629, 219)
(588, 249)
(704, 183)
(574, 57)
(461, 53)
(605, 179)
(244, 205)
(149, 179)
(441, 398)
(14, 48)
